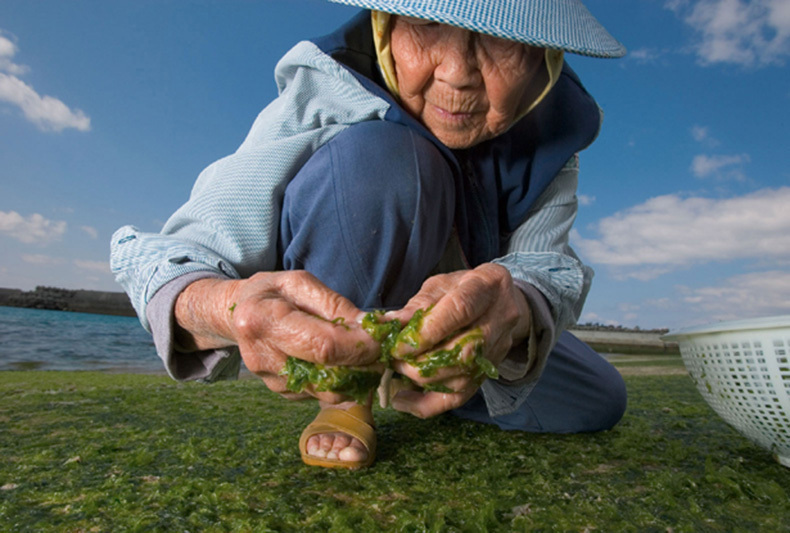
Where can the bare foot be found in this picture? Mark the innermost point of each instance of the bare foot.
(337, 446)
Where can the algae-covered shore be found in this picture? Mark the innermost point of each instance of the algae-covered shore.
(120, 452)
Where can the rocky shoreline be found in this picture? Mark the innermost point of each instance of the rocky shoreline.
(80, 301)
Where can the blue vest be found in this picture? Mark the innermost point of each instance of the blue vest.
(499, 180)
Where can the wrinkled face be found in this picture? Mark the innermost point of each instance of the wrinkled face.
(465, 87)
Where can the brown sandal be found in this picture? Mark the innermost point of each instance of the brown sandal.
(356, 422)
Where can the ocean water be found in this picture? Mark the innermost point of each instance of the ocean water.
(32, 339)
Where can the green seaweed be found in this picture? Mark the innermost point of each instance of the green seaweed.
(410, 334)
(346, 380)
(437, 387)
(385, 333)
(340, 321)
(476, 366)
(390, 334)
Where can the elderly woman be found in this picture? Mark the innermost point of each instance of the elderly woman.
(422, 157)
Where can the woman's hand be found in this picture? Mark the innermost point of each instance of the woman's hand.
(463, 301)
(271, 316)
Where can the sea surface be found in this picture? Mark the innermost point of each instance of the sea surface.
(32, 339)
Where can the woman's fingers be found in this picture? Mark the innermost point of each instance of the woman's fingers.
(278, 384)
(444, 363)
(457, 309)
(483, 303)
(314, 297)
(455, 302)
(428, 404)
(303, 318)
(275, 316)
(316, 339)
(268, 367)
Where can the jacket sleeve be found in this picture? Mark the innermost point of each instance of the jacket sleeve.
(552, 279)
(228, 227)
(221, 229)
(539, 254)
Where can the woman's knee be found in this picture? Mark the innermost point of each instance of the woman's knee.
(374, 175)
(612, 404)
(392, 167)
(603, 403)
(374, 208)
(579, 391)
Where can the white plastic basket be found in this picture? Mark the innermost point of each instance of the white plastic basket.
(742, 369)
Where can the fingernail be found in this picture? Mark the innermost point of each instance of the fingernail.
(403, 407)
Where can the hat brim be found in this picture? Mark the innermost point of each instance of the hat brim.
(559, 24)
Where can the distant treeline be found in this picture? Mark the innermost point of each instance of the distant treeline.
(98, 302)
(602, 327)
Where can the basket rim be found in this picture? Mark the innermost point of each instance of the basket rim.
(750, 324)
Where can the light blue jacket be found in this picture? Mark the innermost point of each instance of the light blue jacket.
(229, 225)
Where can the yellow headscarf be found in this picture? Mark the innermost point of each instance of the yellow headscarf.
(553, 60)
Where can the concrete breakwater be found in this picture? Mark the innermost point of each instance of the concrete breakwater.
(625, 341)
(80, 301)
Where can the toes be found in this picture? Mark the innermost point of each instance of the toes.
(314, 446)
(327, 439)
(336, 446)
(339, 442)
(355, 452)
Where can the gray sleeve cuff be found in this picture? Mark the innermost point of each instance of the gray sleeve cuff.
(529, 356)
(208, 365)
(523, 366)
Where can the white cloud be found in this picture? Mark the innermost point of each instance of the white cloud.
(46, 112)
(8, 49)
(33, 229)
(702, 135)
(704, 166)
(94, 266)
(41, 259)
(594, 318)
(670, 232)
(744, 32)
(744, 296)
(585, 199)
(92, 232)
(644, 55)
(659, 303)
(676, 5)
(643, 273)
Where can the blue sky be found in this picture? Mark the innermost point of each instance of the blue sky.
(109, 111)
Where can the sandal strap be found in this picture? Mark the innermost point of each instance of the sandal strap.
(356, 422)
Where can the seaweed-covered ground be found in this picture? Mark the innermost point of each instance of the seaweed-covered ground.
(122, 452)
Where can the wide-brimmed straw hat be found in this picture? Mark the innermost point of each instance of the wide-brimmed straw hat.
(559, 24)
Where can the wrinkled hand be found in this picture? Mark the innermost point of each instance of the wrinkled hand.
(463, 301)
(274, 315)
